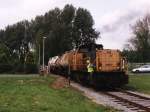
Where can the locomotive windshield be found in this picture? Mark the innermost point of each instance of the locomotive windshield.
(90, 51)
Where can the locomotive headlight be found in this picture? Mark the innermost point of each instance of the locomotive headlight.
(100, 68)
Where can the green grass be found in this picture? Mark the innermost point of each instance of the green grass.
(35, 94)
(139, 82)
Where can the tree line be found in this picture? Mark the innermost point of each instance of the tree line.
(137, 48)
(65, 29)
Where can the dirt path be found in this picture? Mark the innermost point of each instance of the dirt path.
(60, 82)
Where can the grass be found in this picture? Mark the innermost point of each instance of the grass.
(35, 94)
(139, 82)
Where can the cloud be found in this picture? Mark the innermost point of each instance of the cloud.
(13, 11)
(112, 18)
(121, 20)
(9, 4)
(115, 27)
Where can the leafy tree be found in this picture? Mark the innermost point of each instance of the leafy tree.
(84, 33)
(67, 18)
(140, 42)
(65, 29)
(30, 58)
(4, 54)
(2, 33)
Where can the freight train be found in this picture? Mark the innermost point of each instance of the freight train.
(109, 66)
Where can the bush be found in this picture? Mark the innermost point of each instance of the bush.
(31, 68)
(6, 68)
(27, 68)
(18, 68)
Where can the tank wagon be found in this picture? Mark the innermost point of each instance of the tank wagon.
(109, 66)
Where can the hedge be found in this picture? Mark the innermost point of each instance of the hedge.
(18, 68)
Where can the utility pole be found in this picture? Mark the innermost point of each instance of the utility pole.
(24, 42)
(39, 56)
(43, 50)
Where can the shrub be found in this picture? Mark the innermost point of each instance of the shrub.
(6, 68)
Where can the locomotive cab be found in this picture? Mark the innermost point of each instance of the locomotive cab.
(89, 52)
(109, 65)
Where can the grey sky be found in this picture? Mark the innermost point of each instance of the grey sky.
(112, 17)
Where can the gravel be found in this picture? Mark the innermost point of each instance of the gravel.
(100, 98)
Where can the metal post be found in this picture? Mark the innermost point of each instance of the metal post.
(43, 50)
(39, 55)
(43, 53)
(69, 73)
(25, 36)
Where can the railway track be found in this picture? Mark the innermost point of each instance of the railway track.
(131, 100)
(123, 100)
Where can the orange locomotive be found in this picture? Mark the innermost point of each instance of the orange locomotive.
(109, 66)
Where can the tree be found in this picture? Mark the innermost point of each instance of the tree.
(83, 32)
(67, 18)
(17, 38)
(4, 54)
(65, 29)
(2, 33)
(140, 42)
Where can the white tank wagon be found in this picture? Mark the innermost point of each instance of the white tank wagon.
(52, 64)
(63, 63)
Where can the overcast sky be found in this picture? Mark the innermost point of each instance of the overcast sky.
(113, 18)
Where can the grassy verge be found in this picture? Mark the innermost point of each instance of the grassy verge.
(139, 82)
(35, 94)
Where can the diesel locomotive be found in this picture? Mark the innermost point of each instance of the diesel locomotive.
(110, 67)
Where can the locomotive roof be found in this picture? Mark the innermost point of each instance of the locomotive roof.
(98, 46)
(88, 46)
